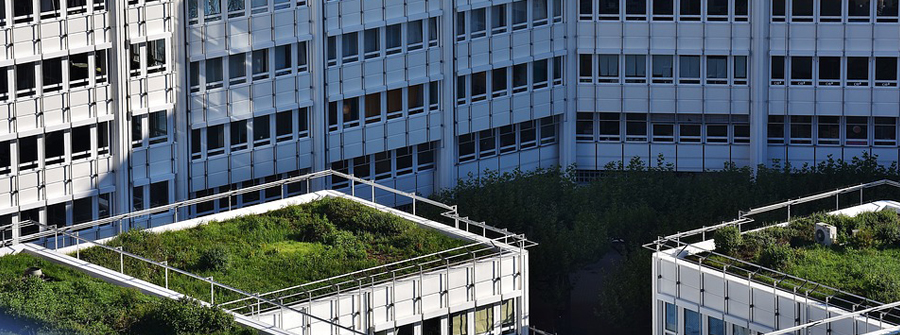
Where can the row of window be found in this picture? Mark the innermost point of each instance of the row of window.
(373, 108)
(212, 9)
(522, 13)
(157, 125)
(834, 11)
(662, 128)
(833, 130)
(249, 198)
(147, 58)
(288, 125)
(79, 211)
(483, 319)
(150, 196)
(693, 324)
(51, 148)
(383, 41)
(514, 79)
(662, 69)
(23, 12)
(386, 165)
(664, 10)
(256, 63)
(56, 74)
(834, 71)
(507, 139)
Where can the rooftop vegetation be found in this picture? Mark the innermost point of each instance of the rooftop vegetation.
(282, 248)
(67, 301)
(865, 259)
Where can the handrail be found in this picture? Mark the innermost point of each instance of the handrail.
(674, 241)
(204, 279)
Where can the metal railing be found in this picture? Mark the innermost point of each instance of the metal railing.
(495, 242)
(856, 305)
(448, 211)
(209, 280)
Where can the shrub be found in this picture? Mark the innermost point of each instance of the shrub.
(888, 232)
(728, 240)
(864, 238)
(216, 258)
(183, 316)
(776, 256)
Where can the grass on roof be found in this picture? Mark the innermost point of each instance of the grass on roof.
(71, 302)
(865, 260)
(278, 249)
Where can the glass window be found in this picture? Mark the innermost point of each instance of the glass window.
(214, 73)
(608, 68)
(54, 147)
(283, 56)
(886, 10)
(715, 326)
(51, 69)
(261, 132)
(498, 19)
(487, 144)
(215, 140)
(498, 82)
(691, 322)
(539, 12)
(858, 10)
(802, 10)
(539, 70)
(484, 319)
(158, 127)
(801, 129)
(394, 103)
(609, 8)
(28, 152)
(239, 135)
(520, 78)
(857, 71)
(885, 131)
(478, 28)
(373, 107)
(663, 10)
(830, 11)
(741, 10)
(479, 86)
(414, 36)
(78, 70)
(690, 10)
(415, 98)
(137, 198)
(689, 69)
(156, 56)
(260, 64)
(237, 69)
(585, 68)
(586, 10)
(716, 70)
(829, 71)
(635, 9)
(81, 145)
(829, 130)
(284, 126)
(662, 68)
(740, 69)
(663, 132)
(350, 47)
(393, 39)
(584, 126)
(372, 43)
(801, 70)
(777, 70)
(332, 50)
(520, 13)
(775, 129)
(636, 127)
(159, 194)
(137, 131)
(738, 330)
(671, 317)
(857, 130)
(886, 71)
(103, 138)
(609, 127)
(718, 9)
(508, 313)
(635, 67)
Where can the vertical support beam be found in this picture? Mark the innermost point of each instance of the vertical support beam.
(446, 161)
(759, 81)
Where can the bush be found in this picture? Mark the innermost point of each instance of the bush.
(776, 256)
(183, 316)
(216, 258)
(728, 240)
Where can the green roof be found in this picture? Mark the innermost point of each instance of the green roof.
(864, 260)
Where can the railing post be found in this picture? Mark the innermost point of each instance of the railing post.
(414, 203)
(212, 291)
(121, 260)
(55, 238)
(353, 187)
(77, 246)
(166, 263)
(15, 232)
(373, 192)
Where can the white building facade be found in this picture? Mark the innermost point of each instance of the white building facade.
(115, 106)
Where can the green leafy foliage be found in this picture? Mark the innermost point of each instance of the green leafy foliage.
(275, 250)
(574, 220)
(68, 301)
(727, 239)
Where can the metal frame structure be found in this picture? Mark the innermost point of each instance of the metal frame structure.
(857, 306)
(498, 243)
